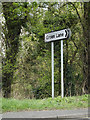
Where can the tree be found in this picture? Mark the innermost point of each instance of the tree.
(85, 43)
(86, 52)
(15, 17)
(43, 21)
(32, 71)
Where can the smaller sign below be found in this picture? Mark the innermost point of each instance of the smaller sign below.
(58, 35)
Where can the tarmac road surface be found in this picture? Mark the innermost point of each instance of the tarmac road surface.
(56, 114)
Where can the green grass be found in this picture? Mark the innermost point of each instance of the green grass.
(45, 104)
(0, 105)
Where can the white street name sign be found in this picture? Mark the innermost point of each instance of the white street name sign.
(57, 35)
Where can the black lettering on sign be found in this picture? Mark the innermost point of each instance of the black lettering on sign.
(47, 37)
(59, 35)
(52, 36)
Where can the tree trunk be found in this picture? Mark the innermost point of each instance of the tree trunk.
(13, 25)
(86, 53)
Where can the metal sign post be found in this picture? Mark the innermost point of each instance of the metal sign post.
(62, 84)
(52, 60)
(51, 37)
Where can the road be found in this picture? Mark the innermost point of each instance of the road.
(76, 114)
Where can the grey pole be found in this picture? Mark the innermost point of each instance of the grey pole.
(62, 83)
(52, 52)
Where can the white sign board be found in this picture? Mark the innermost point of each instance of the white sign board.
(58, 35)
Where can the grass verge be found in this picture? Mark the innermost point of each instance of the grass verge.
(45, 104)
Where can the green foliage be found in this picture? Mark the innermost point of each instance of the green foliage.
(45, 104)
(12, 13)
(28, 58)
(35, 62)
